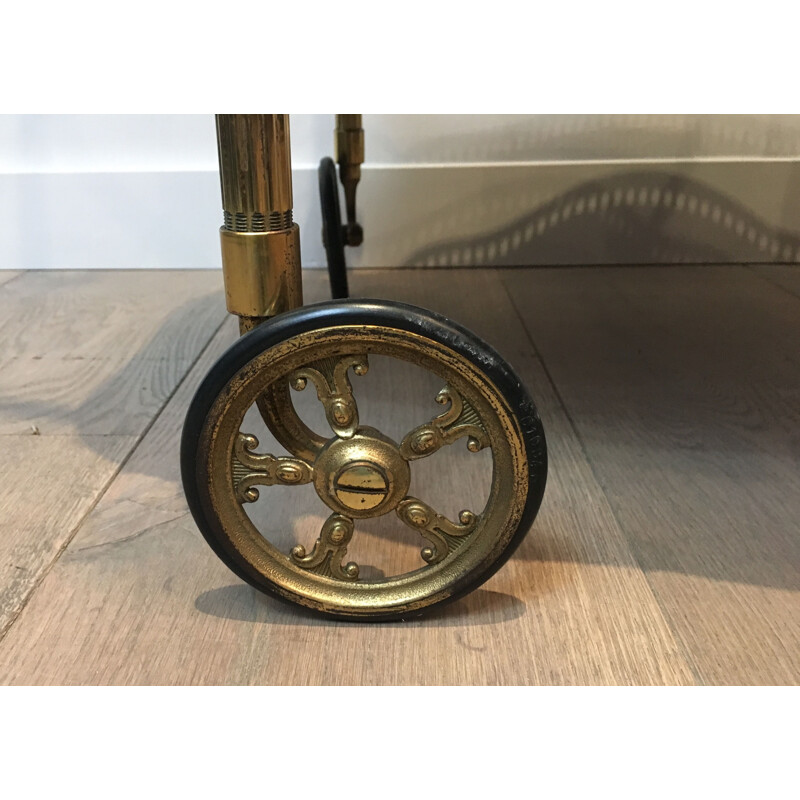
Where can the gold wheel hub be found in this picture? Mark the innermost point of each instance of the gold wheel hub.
(362, 476)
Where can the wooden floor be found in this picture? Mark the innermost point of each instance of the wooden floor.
(667, 549)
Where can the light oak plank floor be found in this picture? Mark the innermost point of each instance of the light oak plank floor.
(683, 385)
(666, 550)
(87, 359)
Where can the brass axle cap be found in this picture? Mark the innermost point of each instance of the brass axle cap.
(361, 476)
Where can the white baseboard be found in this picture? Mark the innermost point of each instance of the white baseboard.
(606, 212)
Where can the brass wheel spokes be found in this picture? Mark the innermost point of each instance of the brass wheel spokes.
(330, 548)
(445, 536)
(459, 420)
(250, 469)
(329, 376)
(335, 392)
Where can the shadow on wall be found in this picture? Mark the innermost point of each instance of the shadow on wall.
(567, 137)
(650, 217)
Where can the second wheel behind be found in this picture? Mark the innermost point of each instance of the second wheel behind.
(333, 234)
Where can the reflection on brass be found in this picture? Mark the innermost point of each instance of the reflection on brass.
(445, 536)
(280, 416)
(251, 468)
(334, 391)
(261, 272)
(364, 474)
(260, 242)
(361, 485)
(459, 420)
(326, 556)
(350, 156)
(261, 264)
(255, 171)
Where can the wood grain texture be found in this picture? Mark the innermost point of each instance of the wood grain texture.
(87, 361)
(138, 597)
(99, 352)
(48, 486)
(684, 385)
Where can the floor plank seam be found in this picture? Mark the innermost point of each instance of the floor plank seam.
(11, 280)
(752, 268)
(688, 660)
(103, 489)
(133, 536)
(67, 435)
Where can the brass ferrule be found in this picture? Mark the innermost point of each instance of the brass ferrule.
(261, 272)
(349, 141)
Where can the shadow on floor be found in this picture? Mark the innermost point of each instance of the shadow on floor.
(242, 602)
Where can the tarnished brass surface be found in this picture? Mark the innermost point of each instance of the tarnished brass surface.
(363, 475)
(280, 416)
(360, 473)
(261, 272)
(445, 536)
(260, 243)
(250, 468)
(349, 143)
(326, 556)
(334, 390)
(459, 420)
(255, 171)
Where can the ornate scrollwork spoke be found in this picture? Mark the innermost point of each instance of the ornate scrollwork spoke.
(251, 469)
(445, 536)
(329, 550)
(329, 376)
(459, 420)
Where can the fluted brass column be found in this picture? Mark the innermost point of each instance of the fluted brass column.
(260, 241)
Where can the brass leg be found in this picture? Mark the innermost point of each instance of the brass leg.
(260, 241)
(261, 247)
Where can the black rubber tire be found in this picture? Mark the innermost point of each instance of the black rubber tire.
(362, 312)
(332, 233)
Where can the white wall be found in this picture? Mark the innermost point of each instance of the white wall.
(143, 191)
(163, 143)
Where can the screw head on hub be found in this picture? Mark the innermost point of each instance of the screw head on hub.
(363, 476)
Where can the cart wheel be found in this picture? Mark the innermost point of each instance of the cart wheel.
(332, 232)
(360, 473)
